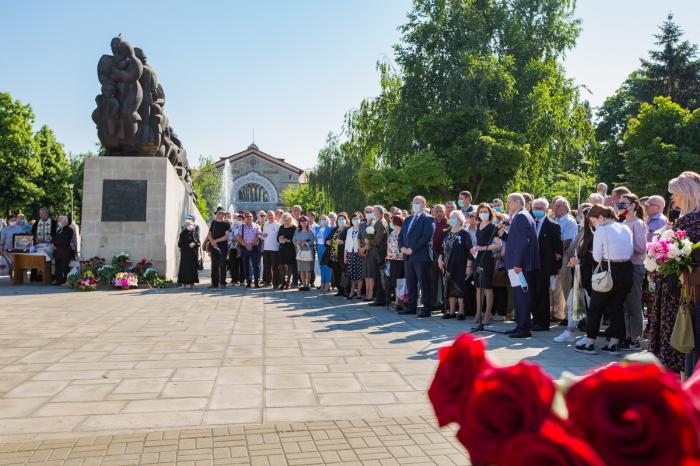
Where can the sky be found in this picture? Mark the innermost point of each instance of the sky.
(286, 70)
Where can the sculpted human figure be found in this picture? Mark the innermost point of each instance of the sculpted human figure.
(148, 138)
(126, 71)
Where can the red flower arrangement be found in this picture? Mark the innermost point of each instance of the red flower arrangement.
(630, 413)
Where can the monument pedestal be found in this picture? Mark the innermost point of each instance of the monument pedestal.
(136, 205)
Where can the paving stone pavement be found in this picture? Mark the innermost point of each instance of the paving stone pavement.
(106, 364)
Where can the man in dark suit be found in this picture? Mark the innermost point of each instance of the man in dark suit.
(415, 244)
(551, 252)
(522, 259)
(43, 231)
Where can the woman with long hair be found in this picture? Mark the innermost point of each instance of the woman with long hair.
(630, 208)
(304, 243)
(336, 257)
(685, 192)
(353, 261)
(486, 243)
(612, 250)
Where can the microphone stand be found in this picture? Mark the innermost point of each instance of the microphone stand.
(480, 325)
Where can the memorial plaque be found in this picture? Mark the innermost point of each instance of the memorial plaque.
(124, 200)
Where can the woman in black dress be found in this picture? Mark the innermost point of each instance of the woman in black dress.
(336, 242)
(486, 243)
(456, 264)
(63, 252)
(189, 245)
(287, 253)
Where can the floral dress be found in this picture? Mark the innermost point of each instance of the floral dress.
(666, 303)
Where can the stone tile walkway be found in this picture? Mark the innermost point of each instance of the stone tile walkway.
(112, 363)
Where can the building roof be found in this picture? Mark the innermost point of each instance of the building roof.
(253, 150)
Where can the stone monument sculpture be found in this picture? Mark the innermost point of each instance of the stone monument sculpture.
(129, 116)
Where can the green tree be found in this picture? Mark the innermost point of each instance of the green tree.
(661, 142)
(303, 195)
(77, 174)
(671, 70)
(207, 184)
(21, 167)
(55, 174)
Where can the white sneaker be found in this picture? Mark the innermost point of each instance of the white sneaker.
(565, 337)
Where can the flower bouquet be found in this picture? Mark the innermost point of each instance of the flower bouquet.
(125, 280)
(141, 267)
(669, 253)
(369, 231)
(120, 261)
(87, 282)
(634, 413)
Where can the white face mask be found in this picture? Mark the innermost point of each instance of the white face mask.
(190, 227)
(370, 215)
(13, 223)
(484, 216)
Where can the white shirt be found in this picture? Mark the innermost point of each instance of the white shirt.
(612, 241)
(351, 242)
(270, 242)
(321, 233)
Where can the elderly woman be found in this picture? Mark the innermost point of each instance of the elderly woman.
(376, 234)
(287, 253)
(335, 240)
(304, 243)
(188, 242)
(63, 253)
(321, 232)
(353, 261)
(456, 264)
(685, 192)
(395, 260)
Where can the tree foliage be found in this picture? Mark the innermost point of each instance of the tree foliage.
(302, 195)
(478, 100)
(661, 142)
(55, 173)
(671, 70)
(207, 185)
(21, 166)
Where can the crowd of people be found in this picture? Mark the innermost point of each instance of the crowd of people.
(57, 239)
(464, 258)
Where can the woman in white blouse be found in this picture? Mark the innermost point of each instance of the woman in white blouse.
(352, 257)
(612, 248)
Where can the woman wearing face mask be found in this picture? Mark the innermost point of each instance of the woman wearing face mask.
(456, 263)
(335, 240)
(395, 259)
(62, 251)
(486, 243)
(188, 242)
(612, 249)
(287, 252)
(321, 231)
(353, 261)
(631, 209)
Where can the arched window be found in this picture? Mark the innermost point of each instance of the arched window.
(253, 192)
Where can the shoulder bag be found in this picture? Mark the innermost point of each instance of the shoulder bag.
(601, 280)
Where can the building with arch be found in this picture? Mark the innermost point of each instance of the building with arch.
(258, 179)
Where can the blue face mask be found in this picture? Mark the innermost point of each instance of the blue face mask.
(324, 223)
(460, 202)
(416, 208)
(498, 209)
(341, 222)
(355, 221)
(453, 222)
(538, 214)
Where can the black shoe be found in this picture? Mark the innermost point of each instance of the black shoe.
(447, 316)
(520, 334)
(213, 286)
(247, 285)
(610, 349)
(564, 323)
(406, 312)
(257, 285)
(623, 345)
(588, 349)
(375, 304)
(339, 294)
(424, 315)
(508, 332)
(395, 307)
(539, 328)
(461, 317)
(635, 346)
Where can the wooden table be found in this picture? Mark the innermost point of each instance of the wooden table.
(23, 262)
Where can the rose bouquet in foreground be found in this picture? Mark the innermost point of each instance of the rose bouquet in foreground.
(631, 413)
(669, 253)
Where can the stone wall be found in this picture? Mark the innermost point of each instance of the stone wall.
(167, 205)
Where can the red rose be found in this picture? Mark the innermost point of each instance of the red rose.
(505, 401)
(552, 444)
(634, 414)
(460, 365)
(692, 389)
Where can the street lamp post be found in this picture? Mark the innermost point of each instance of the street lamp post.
(71, 200)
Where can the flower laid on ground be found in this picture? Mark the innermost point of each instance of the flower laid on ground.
(120, 261)
(125, 280)
(87, 282)
(630, 413)
(669, 253)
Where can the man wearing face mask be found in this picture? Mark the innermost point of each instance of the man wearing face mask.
(63, 252)
(551, 252)
(441, 229)
(465, 202)
(415, 244)
(7, 235)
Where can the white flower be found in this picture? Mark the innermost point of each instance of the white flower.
(370, 230)
(674, 251)
(687, 247)
(650, 264)
(668, 234)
